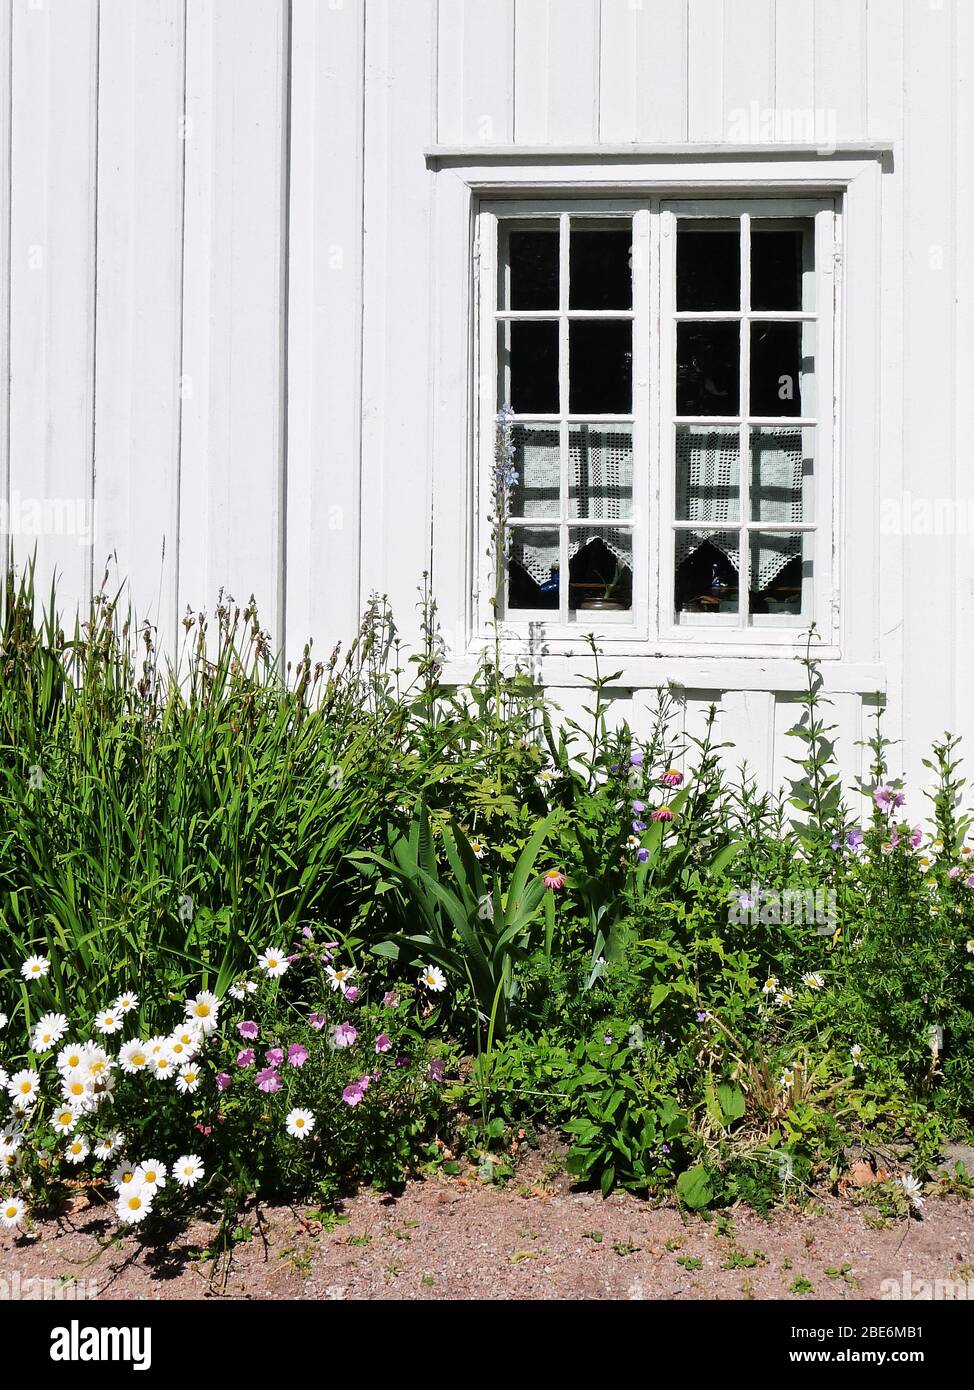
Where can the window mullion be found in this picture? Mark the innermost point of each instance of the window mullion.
(744, 406)
(563, 404)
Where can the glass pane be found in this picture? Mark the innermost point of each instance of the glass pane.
(780, 573)
(532, 569)
(600, 569)
(528, 266)
(782, 266)
(600, 471)
(708, 368)
(782, 368)
(600, 367)
(707, 474)
(538, 469)
(527, 363)
(708, 264)
(706, 565)
(600, 265)
(782, 473)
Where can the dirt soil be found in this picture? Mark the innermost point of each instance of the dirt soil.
(456, 1238)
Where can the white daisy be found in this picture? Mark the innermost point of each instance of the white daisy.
(855, 1052)
(913, 1191)
(11, 1211)
(813, 981)
(338, 979)
(77, 1088)
(78, 1149)
(157, 1044)
(273, 961)
(9, 1163)
(123, 1175)
(109, 1021)
(47, 1031)
(785, 998)
(187, 1170)
(11, 1136)
(109, 1146)
(188, 1078)
(433, 978)
(152, 1173)
(97, 1063)
(3, 1021)
(204, 1010)
(127, 1002)
(134, 1203)
(70, 1057)
(65, 1118)
(162, 1066)
(770, 985)
(133, 1056)
(35, 967)
(23, 1088)
(787, 1079)
(185, 1042)
(299, 1123)
(4, 1079)
(478, 849)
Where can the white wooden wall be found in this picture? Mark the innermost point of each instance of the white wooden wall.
(219, 301)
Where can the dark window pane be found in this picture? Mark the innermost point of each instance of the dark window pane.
(532, 575)
(600, 367)
(776, 268)
(532, 268)
(776, 369)
(706, 578)
(708, 368)
(600, 570)
(600, 267)
(532, 358)
(708, 265)
(780, 571)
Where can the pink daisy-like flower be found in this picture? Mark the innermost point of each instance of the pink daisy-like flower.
(671, 777)
(345, 1035)
(297, 1055)
(383, 1043)
(662, 813)
(245, 1057)
(554, 879)
(248, 1029)
(268, 1080)
(317, 1021)
(274, 1057)
(222, 1081)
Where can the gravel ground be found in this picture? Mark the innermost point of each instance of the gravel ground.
(456, 1238)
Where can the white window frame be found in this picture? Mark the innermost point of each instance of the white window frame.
(466, 178)
(651, 617)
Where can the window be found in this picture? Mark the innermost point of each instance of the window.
(665, 362)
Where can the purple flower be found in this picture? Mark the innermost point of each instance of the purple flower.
(886, 798)
(969, 881)
(638, 806)
(402, 1060)
(636, 758)
(292, 959)
(245, 1057)
(345, 1035)
(836, 844)
(390, 1000)
(437, 1069)
(747, 900)
(352, 1094)
(307, 933)
(351, 993)
(383, 1043)
(222, 1081)
(854, 839)
(637, 826)
(954, 871)
(701, 1015)
(297, 1055)
(916, 837)
(317, 1021)
(642, 855)
(248, 1029)
(268, 1080)
(274, 1057)
(666, 1148)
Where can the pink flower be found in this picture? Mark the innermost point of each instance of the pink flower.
(916, 837)
(383, 1043)
(437, 1069)
(307, 933)
(245, 1057)
(671, 777)
(204, 1129)
(274, 1057)
(969, 881)
(390, 1000)
(345, 1035)
(351, 993)
(954, 871)
(886, 798)
(222, 1081)
(662, 813)
(248, 1029)
(292, 959)
(317, 1021)
(894, 838)
(554, 879)
(268, 1080)
(297, 1054)
(352, 1094)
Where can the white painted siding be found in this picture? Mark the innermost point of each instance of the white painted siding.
(223, 285)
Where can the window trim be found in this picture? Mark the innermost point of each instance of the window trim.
(651, 620)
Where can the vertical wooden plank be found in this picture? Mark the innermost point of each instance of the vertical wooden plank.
(138, 311)
(475, 72)
(884, 69)
(52, 247)
(963, 219)
(449, 74)
(6, 193)
(573, 72)
(794, 58)
(661, 76)
(531, 72)
(233, 432)
(618, 71)
(398, 279)
(324, 323)
(840, 66)
(705, 71)
(749, 50)
(747, 721)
